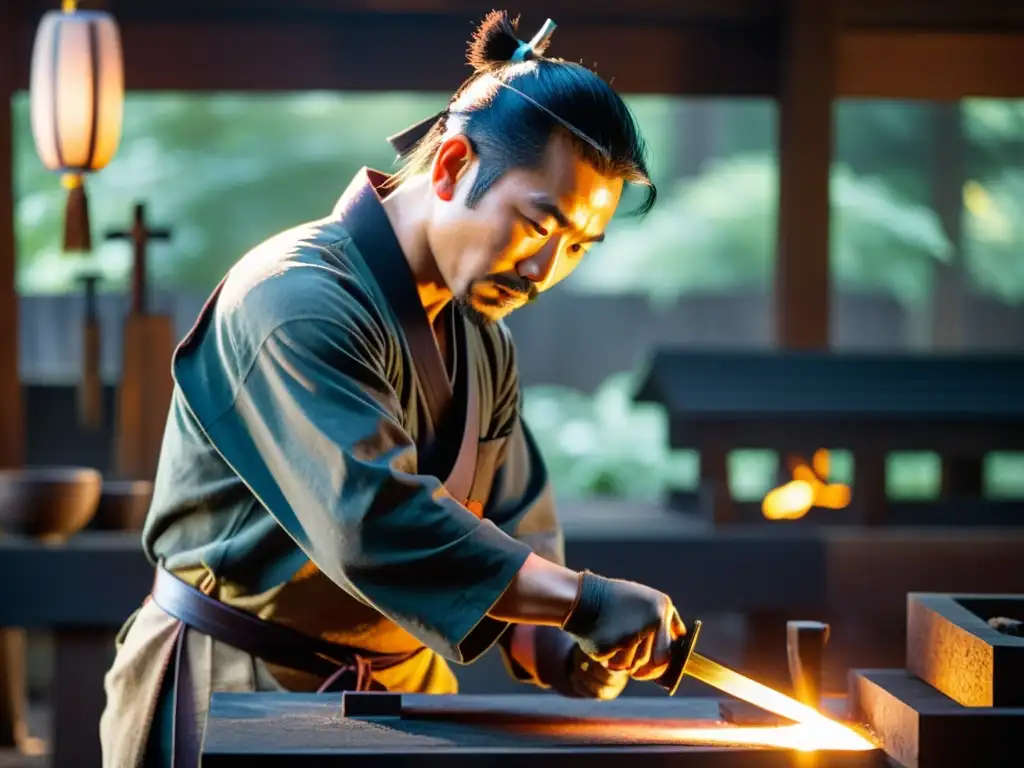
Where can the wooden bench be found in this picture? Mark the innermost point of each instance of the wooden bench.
(959, 407)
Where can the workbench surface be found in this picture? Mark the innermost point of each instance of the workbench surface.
(265, 729)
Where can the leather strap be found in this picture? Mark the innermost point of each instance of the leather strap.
(184, 738)
(343, 668)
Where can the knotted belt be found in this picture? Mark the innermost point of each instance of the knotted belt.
(341, 667)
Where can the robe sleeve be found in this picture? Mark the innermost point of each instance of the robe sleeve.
(316, 431)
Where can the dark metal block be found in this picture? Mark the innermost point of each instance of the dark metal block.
(364, 704)
(743, 713)
(805, 652)
(951, 646)
(921, 728)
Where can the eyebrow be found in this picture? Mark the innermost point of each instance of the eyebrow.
(546, 205)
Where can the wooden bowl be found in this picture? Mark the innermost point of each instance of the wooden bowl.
(48, 502)
(123, 505)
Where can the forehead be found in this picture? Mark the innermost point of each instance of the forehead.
(568, 179)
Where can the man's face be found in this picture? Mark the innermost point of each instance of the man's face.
(528, 232)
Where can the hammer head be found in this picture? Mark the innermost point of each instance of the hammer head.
(805, 651)
(682, 649)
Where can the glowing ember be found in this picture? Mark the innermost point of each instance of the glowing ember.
(808, 488)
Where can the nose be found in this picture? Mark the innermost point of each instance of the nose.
(539, 268)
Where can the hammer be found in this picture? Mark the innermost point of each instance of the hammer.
(805, 652)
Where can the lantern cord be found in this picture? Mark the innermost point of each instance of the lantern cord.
(77, 236)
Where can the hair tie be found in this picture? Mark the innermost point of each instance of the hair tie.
(539, 41)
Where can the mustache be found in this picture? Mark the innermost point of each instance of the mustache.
(515, 284)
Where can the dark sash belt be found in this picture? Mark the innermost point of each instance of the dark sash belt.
(342, 668)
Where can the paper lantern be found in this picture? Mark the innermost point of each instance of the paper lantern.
(77, 104)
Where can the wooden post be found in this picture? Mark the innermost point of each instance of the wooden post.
(807, 79)
(807, 83)
(146, 387)
(962, 476)
(11, 419)
(13, 728)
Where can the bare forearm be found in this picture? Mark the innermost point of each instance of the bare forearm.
(542, 593)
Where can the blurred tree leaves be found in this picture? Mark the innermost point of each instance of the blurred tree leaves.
(717, 231)
(605, 444)
(227, 170)
(224, 171)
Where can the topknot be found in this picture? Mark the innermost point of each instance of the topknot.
(495, 41)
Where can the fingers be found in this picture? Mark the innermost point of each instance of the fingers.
(678, 627)
(600, 673)
(643, 652)
(661, 650)
(591, 688)
(592, 680)
(623, 658)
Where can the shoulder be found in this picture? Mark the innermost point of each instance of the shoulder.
(303, 278)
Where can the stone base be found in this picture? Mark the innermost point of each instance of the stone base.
(919, 727)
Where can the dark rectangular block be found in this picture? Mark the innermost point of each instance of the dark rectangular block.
(828, 386)
(527, 731)
(921, 728)
(367, 704)
(96, 579)
(951, 646)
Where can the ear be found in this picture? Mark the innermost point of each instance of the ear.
(452, 158)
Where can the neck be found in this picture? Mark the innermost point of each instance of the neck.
(406, 208)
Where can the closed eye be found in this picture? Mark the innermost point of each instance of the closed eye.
(537, 228)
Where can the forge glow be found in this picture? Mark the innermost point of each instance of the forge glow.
(805, 738)
(802, 738)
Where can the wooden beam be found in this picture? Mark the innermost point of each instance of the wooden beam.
(425, 53)
(468, 11)
(11, 427)
(935, 15)
(936, 66)
(696, 55)
(807, 88)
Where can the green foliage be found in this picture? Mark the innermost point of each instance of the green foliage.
(605, 445)
(995, 236)
(716, 232)
(224, 172)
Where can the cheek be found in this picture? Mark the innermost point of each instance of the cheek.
(489, 244)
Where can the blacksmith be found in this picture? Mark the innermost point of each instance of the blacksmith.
(347, 497)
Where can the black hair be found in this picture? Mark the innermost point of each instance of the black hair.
(507, 130)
